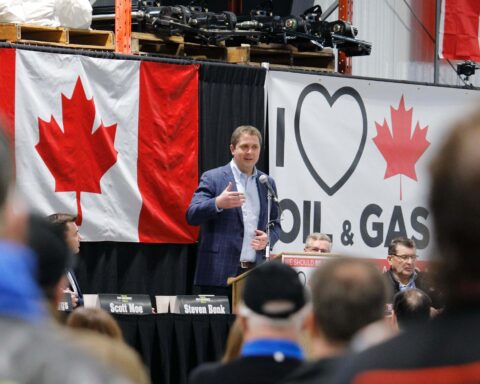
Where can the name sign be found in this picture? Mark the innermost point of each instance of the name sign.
(126, 304)
(202, 305)
(65, 304)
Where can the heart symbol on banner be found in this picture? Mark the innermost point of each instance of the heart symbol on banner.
(331, 99)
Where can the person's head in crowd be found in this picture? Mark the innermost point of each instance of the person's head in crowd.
(20, 296)
(318, 243)
(95, 319)
(53, 257)
(402, 255)
(348, 294)
(67, 223)
(245, 145)
(274, 303)
(455, 205)
(410, 307)
(234, 342)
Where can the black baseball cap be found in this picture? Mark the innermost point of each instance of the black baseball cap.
(274, 290)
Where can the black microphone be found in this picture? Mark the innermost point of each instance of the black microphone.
(264, 180)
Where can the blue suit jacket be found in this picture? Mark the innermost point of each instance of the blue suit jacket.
(221, 233)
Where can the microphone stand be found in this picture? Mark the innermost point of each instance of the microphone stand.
(269, 203)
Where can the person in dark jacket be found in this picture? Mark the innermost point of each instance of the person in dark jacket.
(271, 317)
(347, 295)
(403, 274)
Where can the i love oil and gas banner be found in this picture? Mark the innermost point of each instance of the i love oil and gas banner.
(350, 158)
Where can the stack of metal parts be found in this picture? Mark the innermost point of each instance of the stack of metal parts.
(195, 23)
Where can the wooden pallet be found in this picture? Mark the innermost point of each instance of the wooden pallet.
(56, 36)
(275, 54)
(287, 55)
(148, 43)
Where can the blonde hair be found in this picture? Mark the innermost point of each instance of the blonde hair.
(95, 319)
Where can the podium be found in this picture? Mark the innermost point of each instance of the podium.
(303, 262)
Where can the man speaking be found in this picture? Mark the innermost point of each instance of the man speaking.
(230, 205)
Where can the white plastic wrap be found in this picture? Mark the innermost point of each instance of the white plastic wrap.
(11, 11)
(53, 13)
(74, 13)
(41, 12)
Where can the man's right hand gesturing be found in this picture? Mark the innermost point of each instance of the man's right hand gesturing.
(229, 199)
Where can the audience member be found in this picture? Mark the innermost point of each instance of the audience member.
(318, 243)
(54, 256)
(444, 350)
(402, 275)
(271, 316)
(347, 295)
(53, 259)
(30, 352)
(95, 319)
(411, 307)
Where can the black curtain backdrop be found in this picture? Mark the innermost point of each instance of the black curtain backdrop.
(229, 96)
(135, 268)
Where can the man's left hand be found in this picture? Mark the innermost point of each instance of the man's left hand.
(260, 240)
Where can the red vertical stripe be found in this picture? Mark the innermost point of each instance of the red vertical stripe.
(7, 90)
(167, 151)
(460, 30)
(452, 374)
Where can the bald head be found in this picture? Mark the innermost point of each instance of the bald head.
(411, 306)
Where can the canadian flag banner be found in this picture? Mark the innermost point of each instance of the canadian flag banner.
(460, 30)
(114, 142)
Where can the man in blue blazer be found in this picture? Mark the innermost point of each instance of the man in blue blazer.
(66, 223)
(230, 205)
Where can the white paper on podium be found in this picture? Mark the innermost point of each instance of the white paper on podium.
(165, 304)
(91, 301)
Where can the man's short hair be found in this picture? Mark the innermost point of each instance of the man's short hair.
(405, 241)
(455, 205)
(347, 295)
(6, 166)
(318, 236)
(53, 256)
(245, 129)
(61, 220)
(411, 306)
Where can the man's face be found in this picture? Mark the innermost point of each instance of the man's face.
(246, 152)
(318, 246)
(403, 262)
(73, 237)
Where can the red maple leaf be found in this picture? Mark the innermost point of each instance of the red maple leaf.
(76, 156)
(400, 149)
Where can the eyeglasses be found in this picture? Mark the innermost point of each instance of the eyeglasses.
(406, 257)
